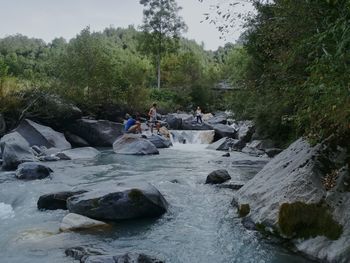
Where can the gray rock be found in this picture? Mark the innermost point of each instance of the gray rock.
(159, 141)
(226, 144)
(98, 133)
(245, 131)
(48, 158)
(73, 222)
(193, 125)
(119, 202)
(40, 135)
(131, 144)
(232, 186)
(32, 171)
(175, 120)
(78, 153)
(75, 140)
(80, 253)
(252, 151)
(220, 118)
(226, 155)
(56, 201)
(218, 177)
(15, 150)
(222, 130)
(295, 175)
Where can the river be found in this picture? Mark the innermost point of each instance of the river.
(200, 226)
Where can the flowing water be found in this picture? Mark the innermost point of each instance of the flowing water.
(200, 226)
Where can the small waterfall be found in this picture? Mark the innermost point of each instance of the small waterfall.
(192, 137)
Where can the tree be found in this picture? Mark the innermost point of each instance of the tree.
(162, 27)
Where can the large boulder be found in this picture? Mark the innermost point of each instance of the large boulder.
(56, 201)
(32, 171)
(98, 133)
(226, 144)
(159, 141)
(219, 118)
(218, 177)
(193, 125)
(119, 202)
(175, 120)
(75, 140)
(222, 130)
(74, 222)
(245, 131)
(15, 150)
(304, 195)
(40, 135)
(131, 144)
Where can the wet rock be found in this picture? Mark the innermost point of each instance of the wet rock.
(48, 158)
(226, 155)
(175, 120)
(56, 201)
(193, 125)
(226, 144)
(74, 222)
(252, 151)
(131, 144)
(222, 130)
(248, 223)
(98, 133)
(119, 202)
(293, 180)
(40, 135)
(159, 141)
(75, 140)
(79, 253)
(245, 131)
(79, 153)
(218, 177)
(220, 118)
(15, 150)
(32, 171)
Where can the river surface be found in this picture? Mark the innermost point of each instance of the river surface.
(200, 226)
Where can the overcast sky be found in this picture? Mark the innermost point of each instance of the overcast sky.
(48, 19)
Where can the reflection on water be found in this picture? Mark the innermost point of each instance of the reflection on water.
(200, 226)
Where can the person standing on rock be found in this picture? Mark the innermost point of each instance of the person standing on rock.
(153, 117)
(199, 115)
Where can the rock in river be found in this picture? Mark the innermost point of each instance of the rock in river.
(159, 141)
(73, 222)
(218, 177)
(289, 195)
(98, 133)
(56, 201)
(32, 171)
(40, 135)
(131, 144)
(119, 202)
(15, 150)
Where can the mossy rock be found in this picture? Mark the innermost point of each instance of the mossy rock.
(243, 210)
(135, 195)
(300, 220)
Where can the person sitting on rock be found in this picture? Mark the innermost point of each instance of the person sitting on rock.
(132, 125)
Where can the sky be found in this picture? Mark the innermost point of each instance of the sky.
(47, 19)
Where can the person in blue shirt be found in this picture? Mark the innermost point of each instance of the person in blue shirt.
(132, 125)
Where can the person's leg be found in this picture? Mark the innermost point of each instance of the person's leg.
(133, 129)
(158, 127)
(200, 118)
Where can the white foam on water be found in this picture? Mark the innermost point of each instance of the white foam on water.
(192, 137)
(6, 211)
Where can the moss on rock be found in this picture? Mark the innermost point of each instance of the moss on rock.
(135, 195)
(243, 210)
(302, 220)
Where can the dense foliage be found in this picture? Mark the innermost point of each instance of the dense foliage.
(292, 74)
(103, 73)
